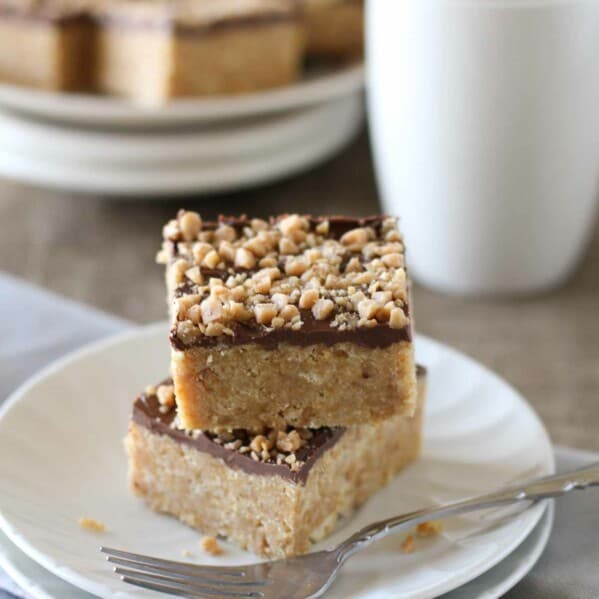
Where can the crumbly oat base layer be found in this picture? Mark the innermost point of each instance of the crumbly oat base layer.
(270, 515)
(249, 386)
(334, 29)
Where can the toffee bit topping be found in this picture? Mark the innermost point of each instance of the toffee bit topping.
(166, 396)
(269, 445)
(275, 274)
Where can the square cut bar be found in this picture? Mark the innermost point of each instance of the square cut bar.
(45, 44)
(152, 51)
(298, 320)
(334, 28)
(273, 493)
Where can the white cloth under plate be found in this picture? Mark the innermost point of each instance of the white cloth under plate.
(36, 327)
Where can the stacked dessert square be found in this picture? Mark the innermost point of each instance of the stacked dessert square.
(294, 393)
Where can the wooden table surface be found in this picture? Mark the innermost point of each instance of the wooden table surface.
(102, 253)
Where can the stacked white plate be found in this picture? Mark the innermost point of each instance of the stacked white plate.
(479, 434)
(109, 146)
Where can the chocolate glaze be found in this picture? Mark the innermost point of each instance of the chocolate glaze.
(182, 28)
(146, 413)
(45, 15)
(313, 331)
(46, 12)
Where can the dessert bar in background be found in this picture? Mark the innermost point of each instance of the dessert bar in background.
(197, 48)
(334, 28)
(45, 44)
(153, 50)
(272, 492)
(296, 321)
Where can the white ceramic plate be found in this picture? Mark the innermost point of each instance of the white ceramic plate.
(207, 144)
(316, 87)
(42, 584)
(159, 164)
(61, 457)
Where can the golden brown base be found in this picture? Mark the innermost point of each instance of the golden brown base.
(334, 28)
(46, 55)
(249, 386)
(270, 515)
(154, 65)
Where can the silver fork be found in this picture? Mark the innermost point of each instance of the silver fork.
(309, 576)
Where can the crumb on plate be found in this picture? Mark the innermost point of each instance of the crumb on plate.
(91, 525)
(210, 545)
(430, 528)
(408, 544)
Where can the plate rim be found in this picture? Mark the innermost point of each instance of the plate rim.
(532, 556)
(153, 148)
(88, 110)
(173, 180)
(81, 581)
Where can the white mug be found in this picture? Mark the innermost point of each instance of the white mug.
(484, 118)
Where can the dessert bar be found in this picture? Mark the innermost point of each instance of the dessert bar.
(296, 320)
(43, 44)
(272, 492)
(153, 51)
(334, 28)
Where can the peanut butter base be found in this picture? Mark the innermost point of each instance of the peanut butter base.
(334, 29)
(249, 386)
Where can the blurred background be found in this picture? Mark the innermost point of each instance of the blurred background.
(496, 178)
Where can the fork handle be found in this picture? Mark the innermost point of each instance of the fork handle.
(534, 490)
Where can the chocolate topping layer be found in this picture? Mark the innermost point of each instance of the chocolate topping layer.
(147, 413)
(312, 328)
(313, 332)
(182, 16)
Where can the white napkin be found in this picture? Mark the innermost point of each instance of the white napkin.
(37, 327)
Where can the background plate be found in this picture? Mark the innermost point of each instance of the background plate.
(241, 158)
(207, 144)
(318, 85)
(61, 457)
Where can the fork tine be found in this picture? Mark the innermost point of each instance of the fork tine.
(173, 565)
(190, 586)
(159, 587)
(173, 574)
